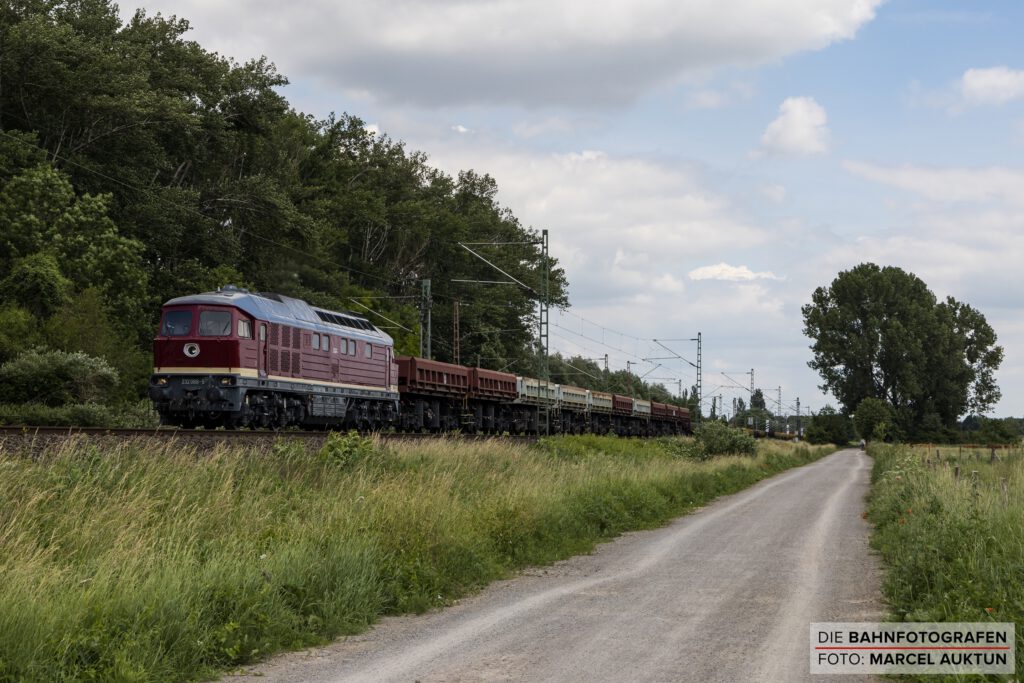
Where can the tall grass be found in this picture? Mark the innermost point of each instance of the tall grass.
(154, 561)
(953, 549)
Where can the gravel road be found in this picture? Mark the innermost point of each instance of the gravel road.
(723, 594)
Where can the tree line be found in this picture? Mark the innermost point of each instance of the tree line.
(137, 166)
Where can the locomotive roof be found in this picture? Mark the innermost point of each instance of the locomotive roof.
(278, 308)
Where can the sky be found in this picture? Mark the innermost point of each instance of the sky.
(701, 165)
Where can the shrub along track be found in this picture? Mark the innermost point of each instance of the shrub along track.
(34, 440)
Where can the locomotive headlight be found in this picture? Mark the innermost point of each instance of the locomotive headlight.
(227, 381)
(161, 380)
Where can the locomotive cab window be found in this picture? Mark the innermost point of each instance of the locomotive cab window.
(176, 324)
(316, 341)
(368, 350)
(244, 329)
(215, 324)
(263, 332)
(327, 343)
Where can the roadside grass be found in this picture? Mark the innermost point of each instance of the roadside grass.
(154, 561)
(953, 550)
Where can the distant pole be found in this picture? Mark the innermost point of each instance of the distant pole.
(455, 332)
(425, 306)
(778, 415)
(700, 387)
(798, 430)
(629, 376)
(543, 331)
(606, 362)
(751, 385)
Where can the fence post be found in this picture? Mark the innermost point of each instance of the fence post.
(956, 474)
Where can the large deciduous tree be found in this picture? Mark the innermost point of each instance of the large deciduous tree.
(881, 333)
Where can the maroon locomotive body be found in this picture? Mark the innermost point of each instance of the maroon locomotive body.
(237, 358)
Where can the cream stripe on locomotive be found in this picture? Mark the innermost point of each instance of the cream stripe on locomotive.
(242, 372)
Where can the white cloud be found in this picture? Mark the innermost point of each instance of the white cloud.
(552, 125)
(617, 223)
(970, 254)
(773, 192)
(948, 184)
(723, 271)
(529, 52)
(717, 98)
(458, 128)
(668, 283)
(799, 130)
(995, 85)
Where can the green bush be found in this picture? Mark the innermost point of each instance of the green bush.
(872, 418)
(72, 415)
(829, 426)
(139, 415)
(715, 438)
(349, 451)
(56, 378)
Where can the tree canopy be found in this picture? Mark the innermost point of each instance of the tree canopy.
(879, 332)
(139, 166)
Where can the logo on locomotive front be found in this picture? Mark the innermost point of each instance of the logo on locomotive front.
(191, 350)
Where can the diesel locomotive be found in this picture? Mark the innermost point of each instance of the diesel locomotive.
(239, 359)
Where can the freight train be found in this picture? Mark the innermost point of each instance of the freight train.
(240, 359)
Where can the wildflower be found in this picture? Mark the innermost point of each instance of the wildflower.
(990, 609)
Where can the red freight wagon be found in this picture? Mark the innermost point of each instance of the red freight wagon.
(431, 377)
(660, 409)
(622, 405)
(490, 384)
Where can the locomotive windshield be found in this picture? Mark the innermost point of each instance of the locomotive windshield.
(176, 324)
(215, 324)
